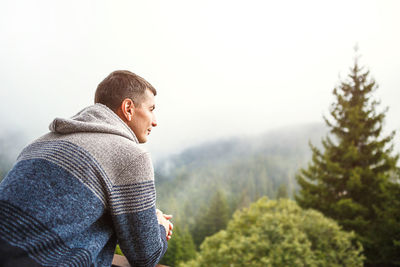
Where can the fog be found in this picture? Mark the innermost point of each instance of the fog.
(221, 68)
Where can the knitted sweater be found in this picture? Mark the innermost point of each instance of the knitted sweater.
(77, 190)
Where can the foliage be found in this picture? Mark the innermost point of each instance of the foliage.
(180, 247)
(213, 219)
(279, 233)
(386, 227)
(282, 192)
(118, 251)
(355, 178)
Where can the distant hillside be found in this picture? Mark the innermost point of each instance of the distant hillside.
(243, 168)
(287, 140)
(11, 144)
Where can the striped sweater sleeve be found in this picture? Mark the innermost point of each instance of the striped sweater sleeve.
(132, 205)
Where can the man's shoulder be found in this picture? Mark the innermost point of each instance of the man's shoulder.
(97, 142)
(107, 149)
(117, 157)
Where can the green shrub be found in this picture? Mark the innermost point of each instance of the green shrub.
(118, 251)
(279, 233)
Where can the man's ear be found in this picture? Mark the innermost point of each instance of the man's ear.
(126, 110)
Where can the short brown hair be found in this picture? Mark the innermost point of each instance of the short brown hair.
(119, 85)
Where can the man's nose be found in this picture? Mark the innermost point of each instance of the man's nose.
(154, 122)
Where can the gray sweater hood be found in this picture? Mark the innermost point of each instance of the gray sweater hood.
(94, 119)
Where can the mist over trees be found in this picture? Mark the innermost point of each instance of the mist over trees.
(11, 144)
(203, 186)
(244, 169)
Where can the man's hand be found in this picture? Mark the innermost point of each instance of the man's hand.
(163, 219)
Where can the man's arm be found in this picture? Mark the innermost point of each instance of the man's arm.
(142, 237)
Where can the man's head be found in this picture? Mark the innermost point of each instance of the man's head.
(132, 98)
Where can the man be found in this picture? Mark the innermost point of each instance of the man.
(78, 190)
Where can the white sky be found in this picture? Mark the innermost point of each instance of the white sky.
(221, 68)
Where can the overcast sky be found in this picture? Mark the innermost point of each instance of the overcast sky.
(221, 68)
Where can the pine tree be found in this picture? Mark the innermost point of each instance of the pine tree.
(218, 213)
(282, 192)
(212, 219)
(352, 179)
(181, 247)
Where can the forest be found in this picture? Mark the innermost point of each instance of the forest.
(311, 195)
(305, 195)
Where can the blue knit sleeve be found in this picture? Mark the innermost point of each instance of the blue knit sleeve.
(132, 205)
(140, 237)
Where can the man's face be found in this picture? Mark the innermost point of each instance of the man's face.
(143, 118)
